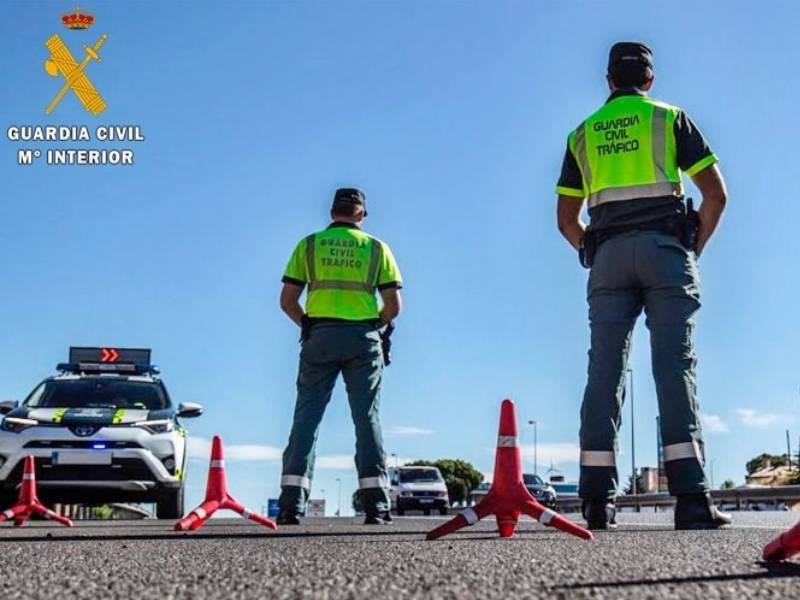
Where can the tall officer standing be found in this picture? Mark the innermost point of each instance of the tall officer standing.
(642, 245)
(343, 268)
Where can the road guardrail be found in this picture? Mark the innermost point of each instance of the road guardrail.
(742, 498)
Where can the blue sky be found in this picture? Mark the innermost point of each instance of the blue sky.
(452, 116)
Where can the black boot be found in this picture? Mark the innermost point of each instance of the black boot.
(696, 511)
(383, 518)
(288, 517)
(600, 515)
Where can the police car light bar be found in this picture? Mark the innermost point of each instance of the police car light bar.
(108, 360)
(131, 356)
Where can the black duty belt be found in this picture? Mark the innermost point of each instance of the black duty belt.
(309, 322)
(685, 227)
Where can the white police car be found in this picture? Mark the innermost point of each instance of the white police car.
(103, 430)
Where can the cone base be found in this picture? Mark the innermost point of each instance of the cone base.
(783, 547)
(28, 503)
(217, 496)
(508, 497)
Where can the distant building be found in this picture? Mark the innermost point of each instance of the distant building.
(648, 481)
(662, 472)
(770, 475)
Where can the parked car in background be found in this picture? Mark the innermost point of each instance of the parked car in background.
(544, 493)
(418, 488)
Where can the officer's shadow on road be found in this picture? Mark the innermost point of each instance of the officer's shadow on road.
(159, 536)
(386, 532)
(771, 571)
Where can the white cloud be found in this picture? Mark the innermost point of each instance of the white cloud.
(713, 423)
(335, 462)
(557, 453)
(200, 448)
(757, 419)
(402, 431)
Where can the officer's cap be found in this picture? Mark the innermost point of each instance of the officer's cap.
(630, 53)
(349, 196)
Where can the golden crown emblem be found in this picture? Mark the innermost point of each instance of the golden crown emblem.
(77, 20)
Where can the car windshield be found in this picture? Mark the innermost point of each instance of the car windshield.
(415, 475)
(98, 392)
(532, 479)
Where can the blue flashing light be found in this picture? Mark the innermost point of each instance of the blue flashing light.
(99, 446)
(121, 368)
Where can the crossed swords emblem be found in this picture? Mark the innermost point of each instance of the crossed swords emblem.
(75, 78)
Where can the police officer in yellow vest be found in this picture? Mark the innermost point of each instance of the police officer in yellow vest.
(642, 245)
(343, 268)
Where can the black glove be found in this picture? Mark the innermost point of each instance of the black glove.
(305, 328)
(386, 344)
(588, 249)
(690, 234)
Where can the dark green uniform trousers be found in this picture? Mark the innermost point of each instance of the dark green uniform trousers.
(354, 350)
(634, 271)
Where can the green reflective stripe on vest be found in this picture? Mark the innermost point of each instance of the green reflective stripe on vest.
(310, 264)
(659, 137)
(374, 262)
(332, 284)
(580, 155)
(632, 192)
(627, 150)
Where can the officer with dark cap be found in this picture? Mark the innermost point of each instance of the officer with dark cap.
(344, 268)
(642, 246)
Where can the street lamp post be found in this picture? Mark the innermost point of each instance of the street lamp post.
(535, 449)
(339, 508)
(633, 439)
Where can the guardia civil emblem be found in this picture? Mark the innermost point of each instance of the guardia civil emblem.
(61, 62)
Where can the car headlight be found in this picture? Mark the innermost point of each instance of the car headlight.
(158, 426)
(17, 424)
(442, 494)
(406, 494)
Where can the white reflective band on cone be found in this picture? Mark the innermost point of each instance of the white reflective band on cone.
(9, 514)
(27, 476)
(470, 516)
(296, 481)
(547, 516)
(681, 451)
(217, 464)
(507, 441)
(372, 482)
(200, 512)
(598, 458)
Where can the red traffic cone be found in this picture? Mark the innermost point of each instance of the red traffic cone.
(508, 497)
(217, 496)
(28, 503)
(786, 545)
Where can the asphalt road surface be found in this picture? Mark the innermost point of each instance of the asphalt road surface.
(340, 558)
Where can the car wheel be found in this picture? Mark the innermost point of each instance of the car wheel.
(443, 511)
(170, 504)
(400, 512)
(427, 512)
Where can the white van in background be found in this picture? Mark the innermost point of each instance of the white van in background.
(418, 488)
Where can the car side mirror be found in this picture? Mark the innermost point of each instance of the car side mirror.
(190, 410)
(7, 407)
